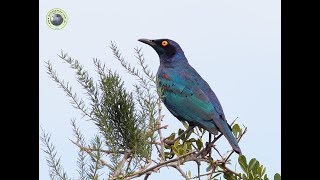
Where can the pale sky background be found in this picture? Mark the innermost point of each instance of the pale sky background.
(234, 45)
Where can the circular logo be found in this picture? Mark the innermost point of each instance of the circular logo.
(56, 19)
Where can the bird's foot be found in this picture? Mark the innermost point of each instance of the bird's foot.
(207, 150)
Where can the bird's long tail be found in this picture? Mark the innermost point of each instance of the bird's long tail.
(226, 130)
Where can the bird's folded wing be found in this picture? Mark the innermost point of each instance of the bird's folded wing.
(189, 102)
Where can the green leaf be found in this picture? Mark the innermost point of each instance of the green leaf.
(251, 176)
(252, 164)
(277, 176)
(236, 129)
(265, 177)
(259, 171)
(244, 177)
(189, 173)
(243, 163)
(185, 147)
(216, 175)
(172, 136)
(263, 170)
(191, 140)
(185, 124)
(199, 144)
(208, 168)
(166, 154)
(228, 176)
(183, 138)
(176, 144)
(255, 167)
(180, 131)
(175, 150)
(188, 134)
(189, 147)
(181, 151)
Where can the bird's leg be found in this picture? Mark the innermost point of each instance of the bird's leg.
(208, 149)
(168, 142)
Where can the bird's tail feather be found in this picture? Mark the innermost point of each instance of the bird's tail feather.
(225, 129)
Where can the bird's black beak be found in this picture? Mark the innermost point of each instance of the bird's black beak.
(148, 41)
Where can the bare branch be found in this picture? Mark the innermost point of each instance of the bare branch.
(147, 175)
(101, 150)
(162, 127)
(89, 151)
(218, 152)
(233, 121)
(159, 165)
(198, 164)
(121, 164)
(198, 176)
(156, 145)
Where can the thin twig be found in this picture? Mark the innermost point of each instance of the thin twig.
(129, 163)
(79, 103)
(159, 165)
(229, 170)
(218, 152)
(198, 164)
(147, 175)
(195, 177)
(101, 150)
(233, 121)
(197, 132)
(121, 164)
(149, 162)
(210, 174)
(158, 143)
(159, 131)
(245, 130)
(158, 148)
(162, 127)
(89, 151)
(106, 164)
(180, 170)
(179, 137)
(209, 145)
(144, 66)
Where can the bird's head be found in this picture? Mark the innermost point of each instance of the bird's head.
(168, 50)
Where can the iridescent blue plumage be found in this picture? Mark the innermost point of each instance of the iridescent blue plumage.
(185, 94)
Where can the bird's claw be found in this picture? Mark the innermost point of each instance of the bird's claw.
(207, 150)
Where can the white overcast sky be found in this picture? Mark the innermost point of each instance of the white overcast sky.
(234, 45)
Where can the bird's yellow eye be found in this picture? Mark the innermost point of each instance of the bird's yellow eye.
(164, 43)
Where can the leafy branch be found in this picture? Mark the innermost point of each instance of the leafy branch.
(130, 141)
(55, 167)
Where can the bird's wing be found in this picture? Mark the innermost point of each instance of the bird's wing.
(219, 120)
(194, 78)
(188, 104)
(191, 103)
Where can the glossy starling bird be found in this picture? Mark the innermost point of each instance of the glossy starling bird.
(185, 94)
